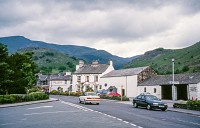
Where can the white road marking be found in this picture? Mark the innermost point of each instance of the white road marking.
(133, 124)
(119, 119)
(126, 122)
(41, 107)
(87, 109)
(7, 124)
(48, 113)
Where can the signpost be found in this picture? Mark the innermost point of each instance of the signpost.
(121, 91)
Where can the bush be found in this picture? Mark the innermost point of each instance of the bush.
(124, 98)
(54, 92)
(16, 98)
(190, 104)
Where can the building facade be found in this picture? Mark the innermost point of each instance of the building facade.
(126, 80)
(187, 86)
(88, 75)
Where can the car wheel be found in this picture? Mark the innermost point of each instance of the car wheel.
(149, 107)
(163, 109)
(135, 105)
(79, 101)
(97, 103)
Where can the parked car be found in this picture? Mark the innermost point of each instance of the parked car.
(149, 101)
(89, 97)
(102, 92)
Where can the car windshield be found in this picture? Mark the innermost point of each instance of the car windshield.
(150, 97)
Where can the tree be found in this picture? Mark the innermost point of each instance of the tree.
(185, 68)
(24, 72)
(62, 68)
(4, 69)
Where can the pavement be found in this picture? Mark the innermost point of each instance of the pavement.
(169, 103)
(27, 103)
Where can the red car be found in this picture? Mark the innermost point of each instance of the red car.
(114, 94)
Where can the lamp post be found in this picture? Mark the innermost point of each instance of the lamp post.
(173, 87)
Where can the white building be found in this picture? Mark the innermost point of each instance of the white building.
(60, 83)
(126, 80)
(89, 75)
(187, 86)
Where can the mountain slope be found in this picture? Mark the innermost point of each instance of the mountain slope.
(89, 54)
(51, 61)
(186, 60)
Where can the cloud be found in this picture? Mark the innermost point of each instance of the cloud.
(124, 28)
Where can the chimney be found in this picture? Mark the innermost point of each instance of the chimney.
(81, 64)
(110, 62)
(95, 62)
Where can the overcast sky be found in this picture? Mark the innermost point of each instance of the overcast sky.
(121, 27)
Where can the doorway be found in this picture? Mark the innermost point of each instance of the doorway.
(182, 92)
(166, 92)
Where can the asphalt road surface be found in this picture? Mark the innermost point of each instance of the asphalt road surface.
(68, 113)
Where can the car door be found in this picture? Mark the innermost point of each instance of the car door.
(143, 101)
(137, 100)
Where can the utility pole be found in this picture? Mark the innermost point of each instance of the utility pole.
(173, 87)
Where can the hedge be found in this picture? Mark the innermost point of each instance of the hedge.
(55, 92)
(16, 98)
(190, 104)
(124, 98)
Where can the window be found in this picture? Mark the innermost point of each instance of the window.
(95, 78)
(154, 90)
(87, 78)
(145, 90)
(100, 86)
(78, 78)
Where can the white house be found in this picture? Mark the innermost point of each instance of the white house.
(60, 83)
(125, 81)
(187, 86)
(89, 75)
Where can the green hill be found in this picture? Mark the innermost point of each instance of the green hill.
(186, 60)
(51, 61)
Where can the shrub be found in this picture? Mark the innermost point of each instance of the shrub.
(16, 98)
(54, 92)
(124, 98)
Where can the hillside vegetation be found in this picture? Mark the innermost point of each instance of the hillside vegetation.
(186, 60)
(88, 54)
(51, 61)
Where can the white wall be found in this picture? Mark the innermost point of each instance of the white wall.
(129, 84)
(194, 91)
(150, 89)
(91, 78)
(54, 84)
(198, 91)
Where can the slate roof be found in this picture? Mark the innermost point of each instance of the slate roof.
(92, 69)
(125, 72)
(42, 77)
(189, 78)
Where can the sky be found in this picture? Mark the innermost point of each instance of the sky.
(122, 27)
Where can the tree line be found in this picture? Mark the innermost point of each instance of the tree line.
(17, 71)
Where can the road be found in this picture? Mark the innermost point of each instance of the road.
(109, 114)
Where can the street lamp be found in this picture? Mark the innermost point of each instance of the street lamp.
(173, 87)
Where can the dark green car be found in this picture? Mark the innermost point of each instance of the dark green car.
(149, 101)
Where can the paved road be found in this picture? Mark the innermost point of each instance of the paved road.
(57, 114)
(140, 116)
(109, 114)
